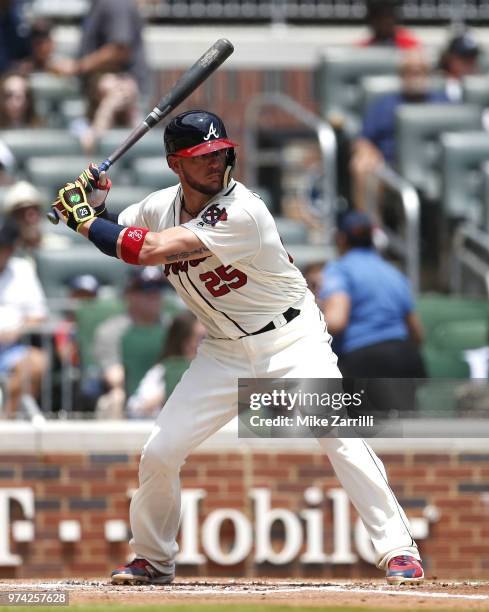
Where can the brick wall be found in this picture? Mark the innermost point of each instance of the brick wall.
(451, 488)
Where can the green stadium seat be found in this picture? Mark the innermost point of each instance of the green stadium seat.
(55, 269)
(26, 143)
(339, 74)
(452, 324)
(153, 173)
(458, 336)
(419, 127)
(476, 90)
(150, 145)
(463, 154)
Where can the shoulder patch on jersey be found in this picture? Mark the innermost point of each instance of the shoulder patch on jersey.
(214, 214)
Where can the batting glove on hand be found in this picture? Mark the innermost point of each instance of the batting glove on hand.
(72, 205)
(96, 185)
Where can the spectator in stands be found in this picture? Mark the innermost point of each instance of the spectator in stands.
(113, 101)
(313, 275)
(369, 308)
(458, 60)
(111, 41)
(376, 142)
(184, 336)
(144, 300)
(82, 288)
(382, 19)
(42, 47)
(22, 307)
(15, 43)
(24, 204)
(16, 103)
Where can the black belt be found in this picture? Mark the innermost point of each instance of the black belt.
(288, 315)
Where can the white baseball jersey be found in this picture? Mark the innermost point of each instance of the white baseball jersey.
(248, 280)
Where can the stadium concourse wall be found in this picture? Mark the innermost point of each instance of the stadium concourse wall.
(250, 508)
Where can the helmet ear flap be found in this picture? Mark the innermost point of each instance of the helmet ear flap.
(230, 162)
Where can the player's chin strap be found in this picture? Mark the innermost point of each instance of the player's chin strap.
(230, 163)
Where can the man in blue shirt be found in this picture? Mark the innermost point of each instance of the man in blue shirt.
(369, 308)
(376, 143)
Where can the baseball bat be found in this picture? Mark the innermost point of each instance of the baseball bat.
(186, 84)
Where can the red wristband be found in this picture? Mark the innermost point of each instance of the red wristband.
(132, 243)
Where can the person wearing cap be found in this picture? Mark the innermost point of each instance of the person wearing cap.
(22, 307)
(382, 19)
(369, 307)
(144, 300)
(458, 60)
(222, 253)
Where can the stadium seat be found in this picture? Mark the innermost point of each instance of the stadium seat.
(419, 127)
(305, 254)
(339, 74)
(50, 91)
(122, 196)
(462, 181)
(291, 231)
(153, 173)
(485, 196)
(56, 270)
(150, 145)
(39, 142)
(476, 90)
(50, 173)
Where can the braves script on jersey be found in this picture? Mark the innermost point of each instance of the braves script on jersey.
(247, 280)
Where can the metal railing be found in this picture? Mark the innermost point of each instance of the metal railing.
(324, 133)
(407, 246)
(470, 251)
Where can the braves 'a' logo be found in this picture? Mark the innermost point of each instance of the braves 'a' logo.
(214, 214)
(211, 132)
(135, 234)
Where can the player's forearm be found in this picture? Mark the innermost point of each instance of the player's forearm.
(170, 246)
(138, 246)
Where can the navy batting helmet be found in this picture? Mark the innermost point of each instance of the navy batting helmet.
(196, 132)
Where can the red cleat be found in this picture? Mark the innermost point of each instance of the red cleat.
(139, 571)
(404, 570)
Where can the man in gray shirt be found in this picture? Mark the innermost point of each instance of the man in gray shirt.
(112, 41)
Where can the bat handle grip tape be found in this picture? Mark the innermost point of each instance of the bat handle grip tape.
(105, 165)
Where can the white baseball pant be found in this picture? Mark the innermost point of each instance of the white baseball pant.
(207, 398)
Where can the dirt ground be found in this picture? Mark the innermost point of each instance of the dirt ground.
(432, 594)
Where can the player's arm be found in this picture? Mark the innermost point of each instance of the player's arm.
(337, 312)
(134, 245)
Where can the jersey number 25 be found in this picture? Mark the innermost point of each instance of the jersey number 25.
(220, 281)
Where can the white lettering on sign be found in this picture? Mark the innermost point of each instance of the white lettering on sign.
(303, 530)
(25, 497)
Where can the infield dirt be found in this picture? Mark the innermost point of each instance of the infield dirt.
(369, 595)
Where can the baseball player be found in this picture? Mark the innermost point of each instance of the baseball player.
(221, 251)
